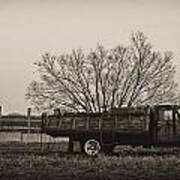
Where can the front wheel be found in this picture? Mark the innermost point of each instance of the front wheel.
(92, 147)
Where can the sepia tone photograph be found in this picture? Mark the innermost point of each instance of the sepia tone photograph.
(89, 90)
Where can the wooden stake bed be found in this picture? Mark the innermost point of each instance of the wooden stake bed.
(125, 119)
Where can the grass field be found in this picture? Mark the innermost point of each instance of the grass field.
(125, 163)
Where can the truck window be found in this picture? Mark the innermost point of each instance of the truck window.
(168, 115)
(165, 116)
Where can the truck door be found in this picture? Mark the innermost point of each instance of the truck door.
(166, 125)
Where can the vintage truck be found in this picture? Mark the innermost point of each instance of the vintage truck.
(100, 132)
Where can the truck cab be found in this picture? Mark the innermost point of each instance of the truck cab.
(165, 125)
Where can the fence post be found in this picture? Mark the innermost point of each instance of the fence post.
(0, 117)
(29, 119)
(0, 111)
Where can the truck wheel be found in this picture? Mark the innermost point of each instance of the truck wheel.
(92, 147)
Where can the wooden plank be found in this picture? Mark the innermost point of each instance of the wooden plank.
(87, 123)
(60, 123)
(19, 121)
(20, 129)
(115, 122)
(73, 123)
(80, 123)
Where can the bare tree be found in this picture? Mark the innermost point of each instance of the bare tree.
(104, 78)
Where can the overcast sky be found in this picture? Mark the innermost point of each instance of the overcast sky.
(28, 28)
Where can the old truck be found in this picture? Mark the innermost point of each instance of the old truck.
(100, 132)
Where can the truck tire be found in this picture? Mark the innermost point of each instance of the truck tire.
(91, 147)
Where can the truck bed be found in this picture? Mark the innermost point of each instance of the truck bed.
(120, 120)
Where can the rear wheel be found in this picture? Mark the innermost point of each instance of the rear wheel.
(91, 147)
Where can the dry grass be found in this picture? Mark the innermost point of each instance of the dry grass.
(128, 163)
